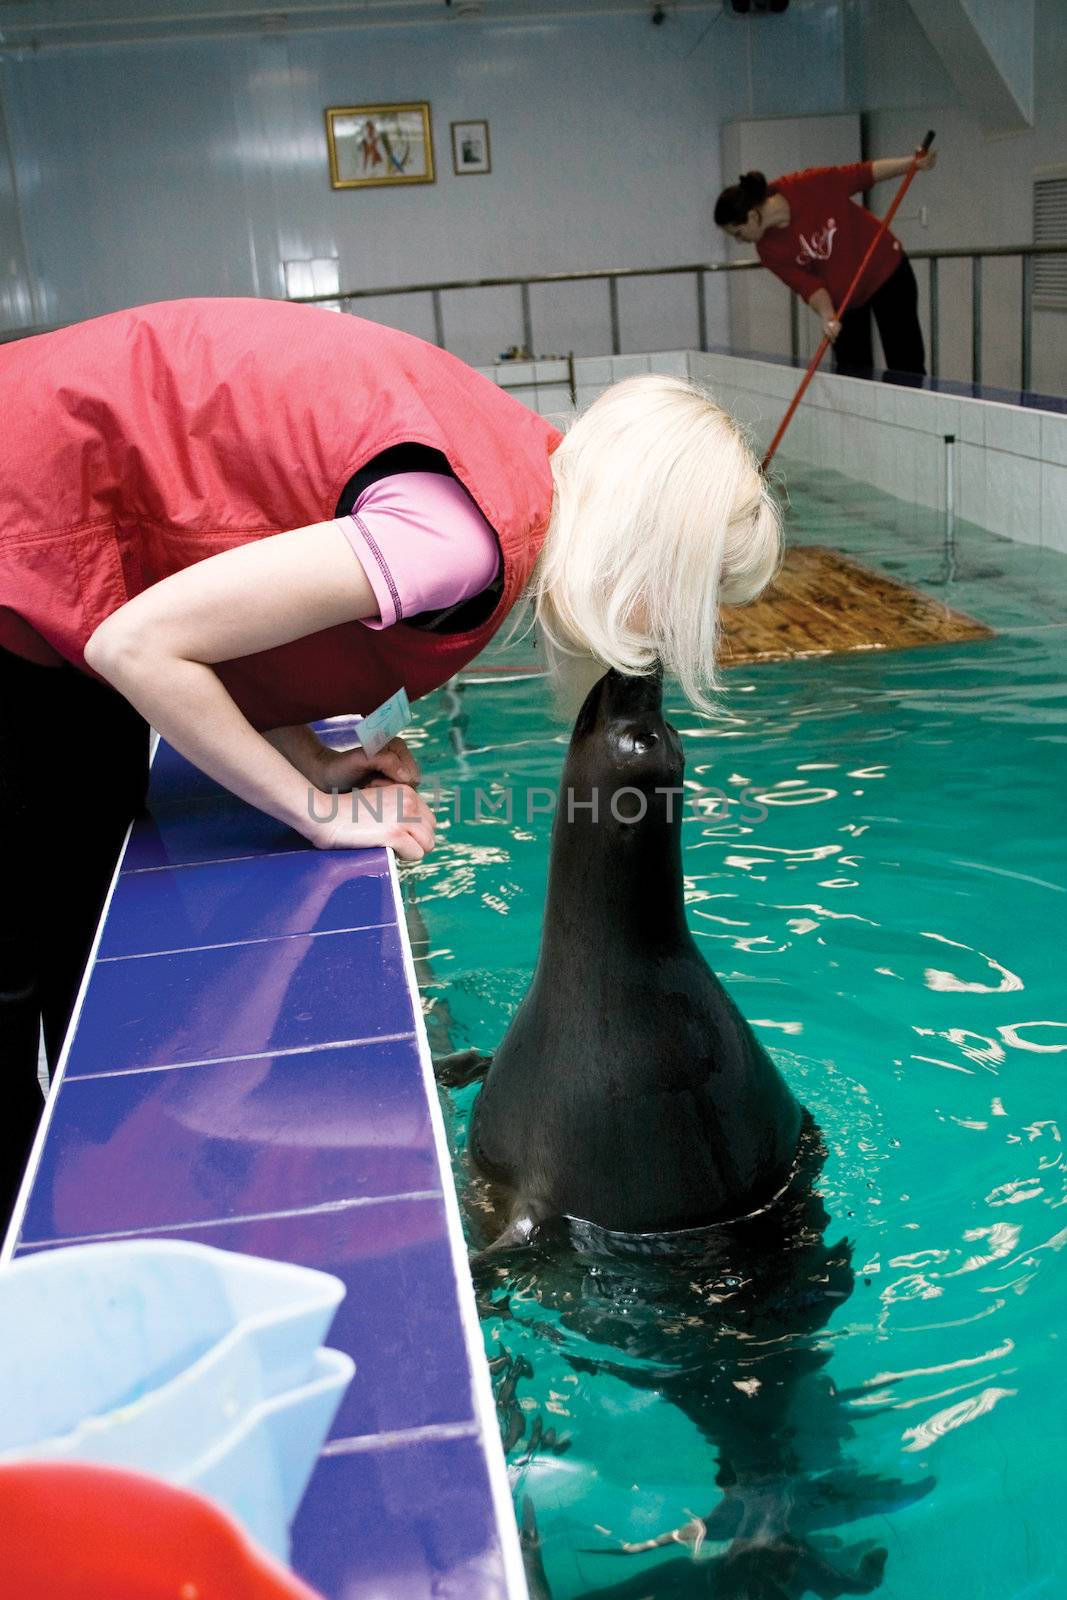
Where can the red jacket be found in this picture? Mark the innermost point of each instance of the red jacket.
(828, 235)
(138, 443)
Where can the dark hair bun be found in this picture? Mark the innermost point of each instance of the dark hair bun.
(735, 203)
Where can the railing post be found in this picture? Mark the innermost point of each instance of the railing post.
(794, 327)
(976, 319)
(702, 311)
(1028, 320)
(613, 303)
(935, 328)
(950, 507)
(438, 319)
(527, 320)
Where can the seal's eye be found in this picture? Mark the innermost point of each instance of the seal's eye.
(637, 742)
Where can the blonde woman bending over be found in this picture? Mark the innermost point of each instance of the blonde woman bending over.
(228, 518)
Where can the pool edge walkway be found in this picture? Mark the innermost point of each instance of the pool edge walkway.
(247, 1066)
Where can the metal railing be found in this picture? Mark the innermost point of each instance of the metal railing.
(611, 277)
(1026, 252)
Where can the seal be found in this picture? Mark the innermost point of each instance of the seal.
(629, 1093)
(634, 1131)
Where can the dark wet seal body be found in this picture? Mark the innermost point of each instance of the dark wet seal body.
(629, 1091)
(632, 1123)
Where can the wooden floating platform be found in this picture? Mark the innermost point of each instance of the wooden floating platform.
(825, 603)
(821, 603)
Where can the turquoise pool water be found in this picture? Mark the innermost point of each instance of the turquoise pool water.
(884, 892)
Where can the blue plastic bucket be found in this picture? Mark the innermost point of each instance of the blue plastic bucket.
(163, 1356)
(259, 1470)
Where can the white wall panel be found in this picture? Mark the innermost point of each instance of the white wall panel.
(197, 165)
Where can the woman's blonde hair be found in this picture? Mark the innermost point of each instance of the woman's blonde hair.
(661, 514)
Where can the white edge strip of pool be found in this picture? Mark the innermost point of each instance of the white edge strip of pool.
(481, 1385)
(18, 1212)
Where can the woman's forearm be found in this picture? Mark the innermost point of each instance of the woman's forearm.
(822, 304)
(157, 651)
(890, 167)
(187, 703)
(301, 746)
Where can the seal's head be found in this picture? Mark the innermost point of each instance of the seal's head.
(623, 749)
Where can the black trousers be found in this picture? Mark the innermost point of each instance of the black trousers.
(896, 311)
(73, 772)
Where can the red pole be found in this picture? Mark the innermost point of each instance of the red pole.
(824, 344)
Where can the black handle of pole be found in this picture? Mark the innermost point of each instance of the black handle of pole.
(927, 142)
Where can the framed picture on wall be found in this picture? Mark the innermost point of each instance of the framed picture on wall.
(374, 145)
(470, 147)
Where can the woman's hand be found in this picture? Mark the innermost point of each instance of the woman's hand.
(380, 813)
(823, 308)
(349, 769)
(925, 159)
(328, 769)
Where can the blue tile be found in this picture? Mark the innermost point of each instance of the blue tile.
(215, 828)
(152, 1149)
(173, 778)
(256, 898)
(413, 1522)
(248, 999)
(399, 1319)
(193, 818)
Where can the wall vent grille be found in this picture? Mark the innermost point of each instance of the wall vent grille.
(1050, 227)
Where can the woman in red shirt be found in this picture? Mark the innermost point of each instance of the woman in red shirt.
(813, 236)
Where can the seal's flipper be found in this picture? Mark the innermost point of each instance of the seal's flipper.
(530, 1543)
(464, 1067)
(515, 1236)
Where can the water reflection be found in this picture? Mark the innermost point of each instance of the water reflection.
(729, 1330)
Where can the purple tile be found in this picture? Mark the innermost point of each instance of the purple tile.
(248, 999)
(152, 1149)
(399, 1319)
(256, 898)
(414, 1522)
(217, 828)
(193, 818)
(174, 778)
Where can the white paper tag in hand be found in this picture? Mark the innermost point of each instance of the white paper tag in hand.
(392, 717)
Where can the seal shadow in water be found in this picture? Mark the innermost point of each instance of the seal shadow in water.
(640, 1167)
(729, 1328)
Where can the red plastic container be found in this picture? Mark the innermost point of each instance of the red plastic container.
(69, 1531)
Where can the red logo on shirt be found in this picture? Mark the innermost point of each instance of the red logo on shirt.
(820, 246)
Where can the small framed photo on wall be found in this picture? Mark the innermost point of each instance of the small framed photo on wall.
(470, 147)
(373, 145)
